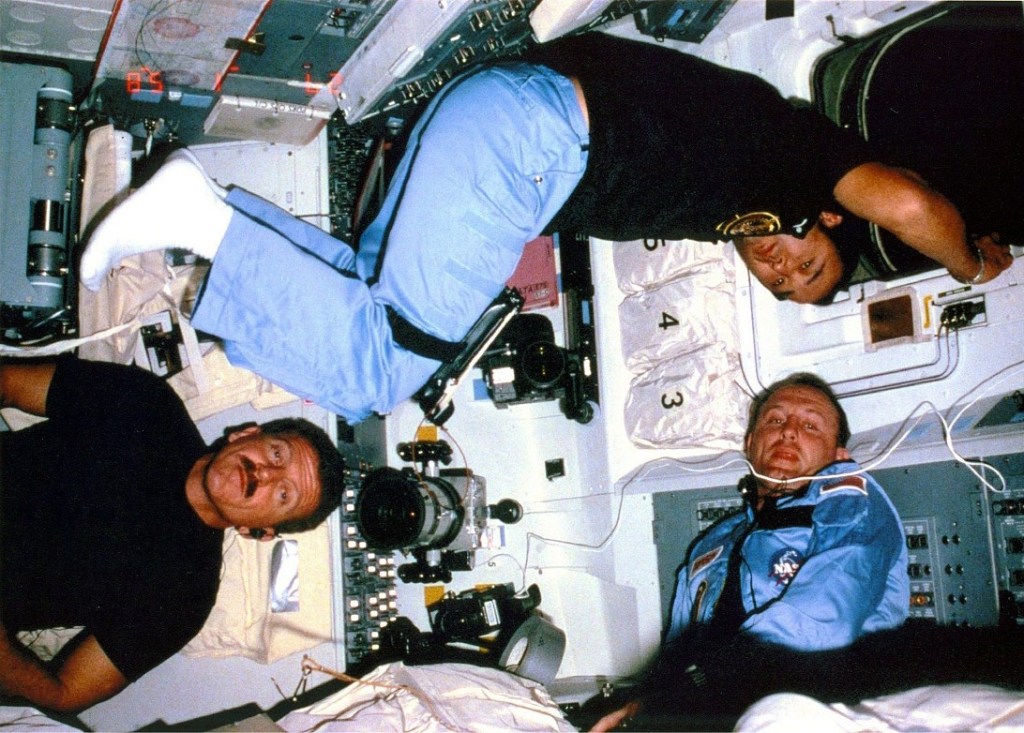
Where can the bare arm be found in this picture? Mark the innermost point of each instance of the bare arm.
(25, 385)
(614, 719)
(86, 677)
(901, 202)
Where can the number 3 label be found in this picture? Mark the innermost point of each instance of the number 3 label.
(668, 403)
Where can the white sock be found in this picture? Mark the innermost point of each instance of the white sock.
(179, 207)
(188, 155)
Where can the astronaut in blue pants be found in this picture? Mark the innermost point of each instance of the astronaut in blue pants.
(492, 159)
(582, 137)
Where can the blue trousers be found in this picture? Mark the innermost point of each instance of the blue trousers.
(492, 159)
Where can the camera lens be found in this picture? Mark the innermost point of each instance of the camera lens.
(390, 512)
(464, 618)
(396, 510)
(543, 364)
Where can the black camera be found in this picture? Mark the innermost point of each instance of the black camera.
(475, 613)
(526, 365)
(484, 617)
(481, 626)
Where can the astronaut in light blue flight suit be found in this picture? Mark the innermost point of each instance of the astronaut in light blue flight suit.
(810, 563)
(815, 560)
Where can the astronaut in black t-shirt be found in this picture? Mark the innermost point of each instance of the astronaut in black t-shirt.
(591, 135)
(112, 514)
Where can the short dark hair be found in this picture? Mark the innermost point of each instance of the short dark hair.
(850, 237)
(330, 465)
(801, 379)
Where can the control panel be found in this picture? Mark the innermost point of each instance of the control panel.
(369, 595)
(963, 539)
(1008, 540)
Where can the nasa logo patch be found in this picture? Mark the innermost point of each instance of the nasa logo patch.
(784, 565)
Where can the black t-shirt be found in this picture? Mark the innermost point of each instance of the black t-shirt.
(679, 146)
(96, 528)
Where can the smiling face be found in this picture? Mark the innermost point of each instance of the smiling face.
(795, 434)
(256, 480)
(802, 270)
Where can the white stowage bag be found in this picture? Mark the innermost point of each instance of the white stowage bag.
(243, 621)
(694, 400)
(679, 317)
(645, 263)
(434, 697)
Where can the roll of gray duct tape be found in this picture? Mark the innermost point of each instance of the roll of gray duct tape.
(534, 651)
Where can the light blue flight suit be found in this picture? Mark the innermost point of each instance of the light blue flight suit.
(489, 164)
(809, 588)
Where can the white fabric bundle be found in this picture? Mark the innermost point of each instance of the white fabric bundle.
(435, 697)
(644, 263)
(677, 318)
(693, 400)
(959, 707)
(679, 337)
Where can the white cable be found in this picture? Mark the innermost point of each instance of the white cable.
(59, 347)
(989, 383)
(902, 433)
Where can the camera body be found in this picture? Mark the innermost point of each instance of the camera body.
(526, 365)
(438, 516)
(484, 617)
(472, 614)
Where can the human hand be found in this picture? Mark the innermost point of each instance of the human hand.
(614, 719)
(997, 256)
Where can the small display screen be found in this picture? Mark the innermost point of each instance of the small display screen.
(891, 319)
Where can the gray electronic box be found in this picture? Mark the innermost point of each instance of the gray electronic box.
(36, 193)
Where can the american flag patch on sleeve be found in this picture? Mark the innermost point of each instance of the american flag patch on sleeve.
(857, 483)
(704, 560)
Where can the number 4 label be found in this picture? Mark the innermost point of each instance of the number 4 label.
(667, 321)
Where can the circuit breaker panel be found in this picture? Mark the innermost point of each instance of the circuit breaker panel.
(369, 594)
(946, 519)
(965, 541)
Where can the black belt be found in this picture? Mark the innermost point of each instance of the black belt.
(419, 342)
